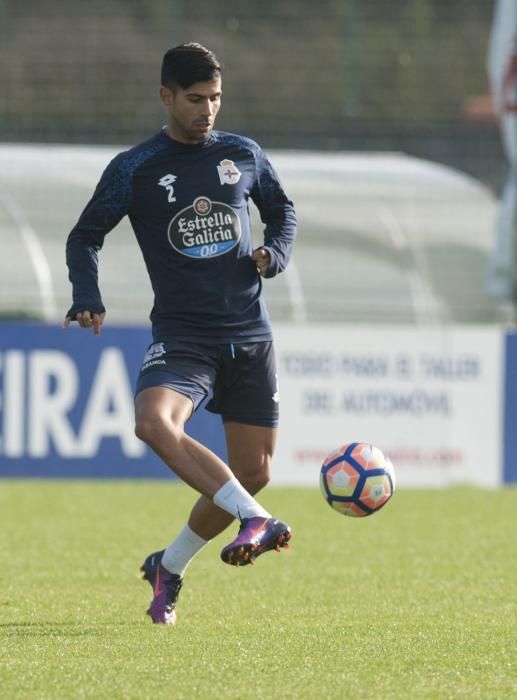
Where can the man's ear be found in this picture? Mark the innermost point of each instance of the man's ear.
(166, 96)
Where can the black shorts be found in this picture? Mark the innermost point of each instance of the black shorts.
(242, 377)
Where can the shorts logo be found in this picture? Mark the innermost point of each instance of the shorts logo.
(204, 230)
(156, 350)
(229, 173)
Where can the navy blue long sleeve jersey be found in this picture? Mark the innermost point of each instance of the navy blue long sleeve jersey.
(188, 206)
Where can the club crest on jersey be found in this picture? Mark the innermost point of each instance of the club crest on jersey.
(204, 230)
(229, 173)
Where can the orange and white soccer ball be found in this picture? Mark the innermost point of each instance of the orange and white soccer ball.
(357, 479)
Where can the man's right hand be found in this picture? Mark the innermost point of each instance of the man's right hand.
(87, 319)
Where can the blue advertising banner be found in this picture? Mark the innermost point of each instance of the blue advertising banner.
(66, 404)
(510, 411)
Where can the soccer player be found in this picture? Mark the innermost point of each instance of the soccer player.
(186, 191)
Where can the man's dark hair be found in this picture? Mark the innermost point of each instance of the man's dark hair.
(190, 63)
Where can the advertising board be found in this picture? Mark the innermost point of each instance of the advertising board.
(432, 398)
(429, 397)
(66, 404)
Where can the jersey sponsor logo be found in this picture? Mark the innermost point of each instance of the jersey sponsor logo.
(156, 350)
(206, 229)
(229, 173)
(166, 181)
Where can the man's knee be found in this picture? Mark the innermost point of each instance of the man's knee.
(160, 411)
(146, 427)
(250, 451)
(259, 482)
(255, 480)
(152, 427)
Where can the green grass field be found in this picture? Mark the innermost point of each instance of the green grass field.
(418, 601)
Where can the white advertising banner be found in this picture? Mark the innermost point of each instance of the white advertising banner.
(430, 398)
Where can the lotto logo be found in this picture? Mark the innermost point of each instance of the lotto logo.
(166, 181)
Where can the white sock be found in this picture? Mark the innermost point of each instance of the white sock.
(234, 499)
(180, 553)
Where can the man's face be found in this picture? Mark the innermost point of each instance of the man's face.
(192, 111)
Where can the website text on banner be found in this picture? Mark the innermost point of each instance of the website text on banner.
(430, 398)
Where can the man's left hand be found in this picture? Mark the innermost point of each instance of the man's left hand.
(262, 259)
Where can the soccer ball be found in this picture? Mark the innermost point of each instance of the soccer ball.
(357, 479)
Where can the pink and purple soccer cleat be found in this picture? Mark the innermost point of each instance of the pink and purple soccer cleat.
(166, 588)
(256, 536)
